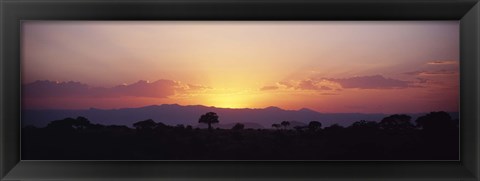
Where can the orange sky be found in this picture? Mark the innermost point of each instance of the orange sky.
(369, 67)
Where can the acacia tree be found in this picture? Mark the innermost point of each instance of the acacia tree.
(365, 125)
(334, 128)
(396, 122)
(276, 126)
(238, 126)
(436, 121)
(81, 123)
(209, 118)
(70, 124)
(285, 124)
(148, 124)
(314, 126)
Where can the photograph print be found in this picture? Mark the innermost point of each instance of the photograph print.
(240, 90)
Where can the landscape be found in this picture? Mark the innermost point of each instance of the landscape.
(313, 91)
(394, 137)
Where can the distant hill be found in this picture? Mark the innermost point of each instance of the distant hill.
(173, 114)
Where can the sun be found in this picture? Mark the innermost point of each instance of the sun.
(229, 101)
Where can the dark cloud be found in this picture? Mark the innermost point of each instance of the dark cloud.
(267, 88)
(45, 88)
(370, 82)
(158, 89)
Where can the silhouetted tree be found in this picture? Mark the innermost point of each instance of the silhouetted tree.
(148, 124)
(160, 126)
(117, 128)
(65, 124)
(314, 126)
(362, 140)
(180, 126)
(96, 127)
(238, 126)
(396, 122)
(334, 127)
(436, 121)
(276, 126)
(209, 119)
(365, 125)
(285, 124)
(299, 128)
(70, 124)
(81, 123)
(457, 122)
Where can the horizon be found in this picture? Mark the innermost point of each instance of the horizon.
(240, 108)
(328, 67)
(262, 118)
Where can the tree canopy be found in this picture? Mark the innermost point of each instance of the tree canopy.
(148, 124)
(435, 121)
(396, 122)
(70, 123)
(209, 118)
(314, 126)
(285, 124)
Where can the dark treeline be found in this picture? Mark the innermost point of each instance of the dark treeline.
(433, 136)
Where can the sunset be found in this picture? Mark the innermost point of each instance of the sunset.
(240, 90)
(365, 67)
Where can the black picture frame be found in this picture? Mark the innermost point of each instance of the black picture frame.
(14, 11)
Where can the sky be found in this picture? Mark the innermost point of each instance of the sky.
(326, 66)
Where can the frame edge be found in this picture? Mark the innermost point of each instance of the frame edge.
(471, 164)
(470, 36)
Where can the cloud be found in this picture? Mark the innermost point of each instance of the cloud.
(287, 84)
(449, 62)
(190, 89)
(325, 88)
(370, 82)
(330, 94)
(311, 85)
(195, 87)
(422, 80)
(267, 88)
(331, 85)
(306, 84)
(47, 88)
(432, 72)
(158, 89)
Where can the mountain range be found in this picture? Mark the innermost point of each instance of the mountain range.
(174, 114)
